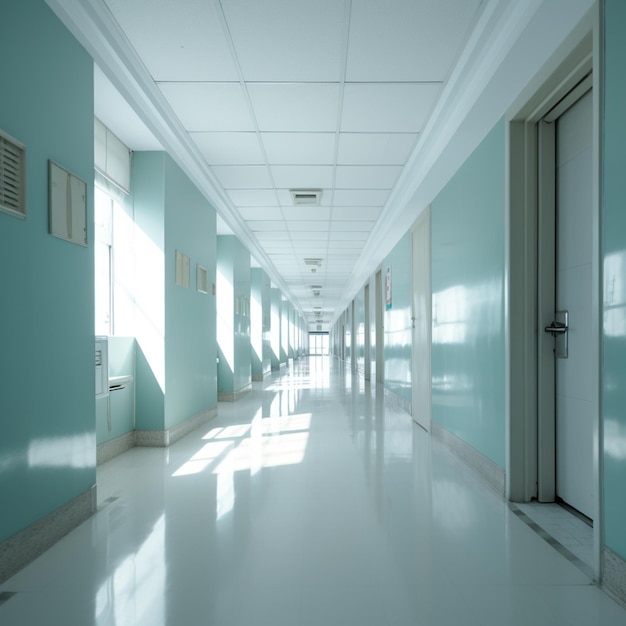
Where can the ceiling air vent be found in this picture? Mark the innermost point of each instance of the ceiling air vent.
(306, 197)
(313, 264)
(12, 176)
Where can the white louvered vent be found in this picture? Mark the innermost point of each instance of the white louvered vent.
(306, 197)
(12, 176)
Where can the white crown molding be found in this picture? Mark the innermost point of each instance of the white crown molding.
(93, 25)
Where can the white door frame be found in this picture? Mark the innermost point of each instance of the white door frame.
(528, 443)
(421, 317)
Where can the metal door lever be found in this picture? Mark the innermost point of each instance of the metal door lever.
(556, 328)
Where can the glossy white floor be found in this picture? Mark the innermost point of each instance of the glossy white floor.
(309, 502)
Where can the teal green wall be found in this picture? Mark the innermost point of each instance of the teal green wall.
(260, 314)
(148, 325)
(614, 293)
(47, 402)
(176, 373)
(397, 320)
(284, 330)
(275, 324)
(468, 300)
(190, 339)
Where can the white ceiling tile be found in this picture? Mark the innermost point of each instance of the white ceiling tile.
(287, 40)
(177, 41)
(389, 107)
(361, 198)
(345, 213)
(309, 235)
(209, 106)
(339, 244)
(271, 236)
(243, 176)
(407, 40)
(229, 148)
(308, 107)
(302, 176)
(299, 213)
(267, 225)
(261, 213)
(367, 176)
(337, 226)
(308, 226)
(311, 252)
(252, 197)
(375, 148)
(348, 235)
(299, 148)
(277, 246)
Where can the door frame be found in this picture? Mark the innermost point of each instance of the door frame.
(576, 59)
(421, 290)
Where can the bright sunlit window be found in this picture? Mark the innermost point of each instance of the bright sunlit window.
(103, 261)
(318, 344)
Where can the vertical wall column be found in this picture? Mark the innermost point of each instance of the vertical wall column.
(234, 376)
(284, 331)
(275, 327)
(174, 313)
(260, 323)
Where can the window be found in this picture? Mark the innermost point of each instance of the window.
(103, 261)
(318, 344)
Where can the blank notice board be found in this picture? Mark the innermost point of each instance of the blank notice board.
(67, 205)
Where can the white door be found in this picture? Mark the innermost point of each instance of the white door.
(574, 374)
(422, 320)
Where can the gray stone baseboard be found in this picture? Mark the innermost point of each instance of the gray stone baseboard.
(109, 450)
(165, 438)
(233, 396)
(614, 575)
(28, 544)
(493, 474)
(397, 400)
(261, 377)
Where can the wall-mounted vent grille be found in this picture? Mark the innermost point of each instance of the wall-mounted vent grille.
(12, 176)
(306, 197)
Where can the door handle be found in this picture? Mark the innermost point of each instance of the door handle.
(556, 328)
